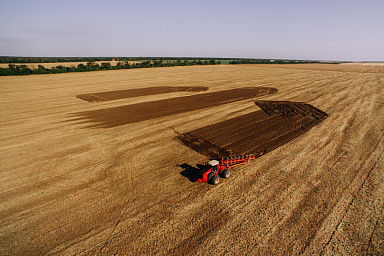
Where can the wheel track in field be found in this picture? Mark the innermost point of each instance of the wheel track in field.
(354, 197)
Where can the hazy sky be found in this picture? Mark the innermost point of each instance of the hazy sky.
(278, 29)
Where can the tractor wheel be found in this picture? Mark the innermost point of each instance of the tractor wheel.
(225, 173)
(209, 178)
(215, 180)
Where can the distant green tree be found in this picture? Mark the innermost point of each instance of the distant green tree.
(119, 65)
(12, 66)
(90, 63)
(81, 67)
(106, 65)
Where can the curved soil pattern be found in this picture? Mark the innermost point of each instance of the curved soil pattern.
(131, 190)
(257, 133)
(127, 114)
(131, 93)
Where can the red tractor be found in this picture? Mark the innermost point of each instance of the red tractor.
(221, 168)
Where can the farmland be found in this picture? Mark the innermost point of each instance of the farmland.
(99, 162)
(55, 64)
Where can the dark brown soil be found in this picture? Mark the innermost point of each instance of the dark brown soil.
(255, 133)
(131, 93)
(116, 116)
(204, 147)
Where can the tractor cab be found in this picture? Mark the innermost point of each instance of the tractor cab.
(213, 164)
(210, 167)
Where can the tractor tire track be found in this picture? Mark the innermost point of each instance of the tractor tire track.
(354, 197)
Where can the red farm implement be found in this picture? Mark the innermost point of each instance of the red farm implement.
(221, 168)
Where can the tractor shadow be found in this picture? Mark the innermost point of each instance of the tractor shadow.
(191, 172)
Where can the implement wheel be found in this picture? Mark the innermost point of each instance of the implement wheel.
(215, 180)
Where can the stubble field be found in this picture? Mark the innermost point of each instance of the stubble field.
(103, 162)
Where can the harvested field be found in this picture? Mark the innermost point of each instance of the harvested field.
(345, 67)
(74, 184)
(256, 133)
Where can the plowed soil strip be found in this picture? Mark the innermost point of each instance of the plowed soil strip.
(131, 93)
(116, 116)
(255, 133)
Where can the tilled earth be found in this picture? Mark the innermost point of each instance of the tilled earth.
(132, 93)
(126, 114)
(106, 173)
(255, 133)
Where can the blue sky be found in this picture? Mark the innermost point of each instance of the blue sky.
(278, 29)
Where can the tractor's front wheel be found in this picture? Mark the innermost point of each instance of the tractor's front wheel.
(225, 173)
(215, 180)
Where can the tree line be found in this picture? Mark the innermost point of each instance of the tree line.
(264, 61)
(123, 63)
(14, 70)
(13, 59)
